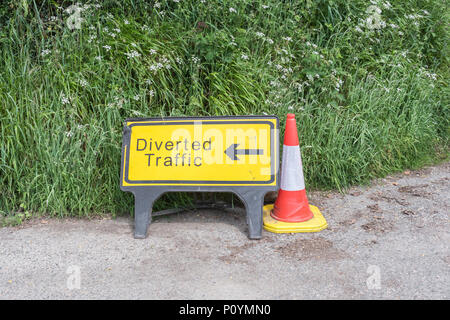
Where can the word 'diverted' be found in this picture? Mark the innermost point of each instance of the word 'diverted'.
(205, 151)
(184, 151)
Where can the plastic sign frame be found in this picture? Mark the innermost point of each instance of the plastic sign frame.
(237, 154)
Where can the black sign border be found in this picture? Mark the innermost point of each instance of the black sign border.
(191, 121)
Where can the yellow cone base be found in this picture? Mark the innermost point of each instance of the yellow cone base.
(317, 223)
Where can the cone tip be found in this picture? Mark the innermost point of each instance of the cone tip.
(291, 134)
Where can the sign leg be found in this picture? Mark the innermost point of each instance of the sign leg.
(142, 213)
(254, 201)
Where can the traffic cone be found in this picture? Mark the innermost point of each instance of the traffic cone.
(292, 204)
(292, 211)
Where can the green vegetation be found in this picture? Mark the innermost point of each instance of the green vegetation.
(367, 81)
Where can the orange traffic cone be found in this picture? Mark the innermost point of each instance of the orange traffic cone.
(291, 211)
(292, 204)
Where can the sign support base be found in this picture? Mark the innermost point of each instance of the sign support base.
(145, 197)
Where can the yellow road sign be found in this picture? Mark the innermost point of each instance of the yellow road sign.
(216, 151)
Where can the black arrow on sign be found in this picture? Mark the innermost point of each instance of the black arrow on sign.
(232, 151)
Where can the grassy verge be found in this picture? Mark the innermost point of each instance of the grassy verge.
(367, 80)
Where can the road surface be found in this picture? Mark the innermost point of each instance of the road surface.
(389, 240)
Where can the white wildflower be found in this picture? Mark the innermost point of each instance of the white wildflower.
(45, 52)
(259, 34)
(274, 83)
(195, 59)
(83, 82)
(374, 21)
(107, 47)
(64, 99)
(232, 10)
(244, 57)
(339, 84)
(132, 54)
(126, 21)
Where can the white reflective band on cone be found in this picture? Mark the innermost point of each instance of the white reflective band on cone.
(292, 169)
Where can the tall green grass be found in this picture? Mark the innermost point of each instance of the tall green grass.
(370, 99)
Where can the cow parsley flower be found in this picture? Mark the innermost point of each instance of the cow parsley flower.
(83, 83)
(195, 59)
(64, 99)
(45, 52)
(132, 54)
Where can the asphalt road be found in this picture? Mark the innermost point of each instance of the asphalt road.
(389, 240)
